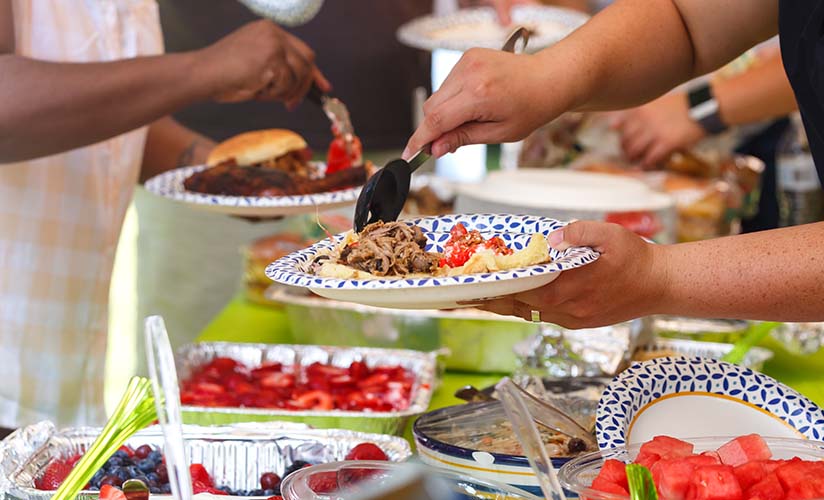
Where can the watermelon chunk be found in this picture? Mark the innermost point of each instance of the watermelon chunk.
(750, 473)
(605, 486)
(667, 447)
(769, 488)
(744, 449)
(615, 472)
(672, 477)
(699, 460)
(714, 482)
(647, 459)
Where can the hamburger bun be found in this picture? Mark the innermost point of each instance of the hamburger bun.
(254, 147)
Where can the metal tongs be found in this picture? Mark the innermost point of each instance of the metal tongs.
(336, 111)
(385, 193)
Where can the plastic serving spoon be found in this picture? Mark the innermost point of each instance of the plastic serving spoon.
(385, 193)
(163, 374)
(530, 439)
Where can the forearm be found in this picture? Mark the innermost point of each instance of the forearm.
(46, 107)
(761, 93)
(171, 145)
(635, 50)
(771, 275)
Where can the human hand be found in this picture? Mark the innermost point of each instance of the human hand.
(652, 132)
(261, 61)
(489, 96)
(502, 7)
(627, 281)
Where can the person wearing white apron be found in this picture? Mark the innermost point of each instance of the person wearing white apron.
(72, 138)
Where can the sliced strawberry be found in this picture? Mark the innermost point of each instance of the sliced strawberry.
(53, 476)
(278, 380)
(111, 493)
(199, 474)
(315, 400)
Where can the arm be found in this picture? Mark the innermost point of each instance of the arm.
(631, 52)
(48, 107)
(170, 145)
(770, 275)
(650, 133)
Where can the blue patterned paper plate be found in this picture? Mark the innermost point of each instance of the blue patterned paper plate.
(170, 185)
(701, 397)
(446, 292)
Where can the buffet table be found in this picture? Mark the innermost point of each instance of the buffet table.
(244, 321)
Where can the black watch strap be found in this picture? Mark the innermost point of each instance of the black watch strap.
(704, 109)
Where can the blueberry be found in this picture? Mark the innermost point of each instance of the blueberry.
(166, 488)
(256, 493)
(122, 473)
(152, 476)
(98, 476)
(155, 490)
(296, 465)
(114, 460)
(226, 489)
(155, 456)
(146, 465)
(93, 488)
(120, 454)
(268, 493)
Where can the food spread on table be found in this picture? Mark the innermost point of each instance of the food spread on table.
(398, 249)
(275, 162)
(225, 382)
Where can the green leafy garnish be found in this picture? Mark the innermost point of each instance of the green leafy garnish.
(641, 485)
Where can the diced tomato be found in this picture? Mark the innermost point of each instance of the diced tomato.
(667, 447)
(750, 473)
(744, 449)
(672, 477)
(768, 488)
(614, 471)
(337, 158)
(600, 484)
(458, 231)
(714, 482)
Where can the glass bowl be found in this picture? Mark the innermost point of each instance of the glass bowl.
(353, 477)
(577, 474)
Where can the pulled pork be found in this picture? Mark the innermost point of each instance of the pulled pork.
(390, 249)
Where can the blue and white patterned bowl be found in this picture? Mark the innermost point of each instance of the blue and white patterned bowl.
(701, 397)
(445, 292)
(170, 185)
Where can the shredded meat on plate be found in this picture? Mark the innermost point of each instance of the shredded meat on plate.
(390, 249)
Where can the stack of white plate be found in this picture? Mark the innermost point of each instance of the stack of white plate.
(567, 195)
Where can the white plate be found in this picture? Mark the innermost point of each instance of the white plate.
(700, 397)
(170, 185)
(555, 189)
(468, 28)
(440, 293)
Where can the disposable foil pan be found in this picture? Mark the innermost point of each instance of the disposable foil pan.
(235, 456)
(424, 365)
(754, 359)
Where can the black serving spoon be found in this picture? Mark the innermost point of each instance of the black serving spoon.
(385, 193)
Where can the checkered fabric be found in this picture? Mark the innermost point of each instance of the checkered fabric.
(60, 217)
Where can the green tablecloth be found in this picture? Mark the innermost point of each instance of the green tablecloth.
(243, 321)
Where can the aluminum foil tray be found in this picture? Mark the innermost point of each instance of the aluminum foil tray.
(235, 455)
(754, 359)
(479, 341)
(424, 365)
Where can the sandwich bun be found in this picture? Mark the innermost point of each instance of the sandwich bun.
(254, 147)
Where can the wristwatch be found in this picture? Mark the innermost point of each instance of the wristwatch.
(704, 109)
